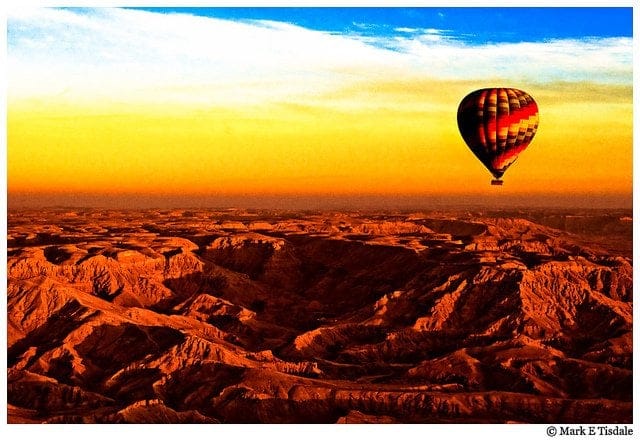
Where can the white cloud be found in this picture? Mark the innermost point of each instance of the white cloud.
(598, 60)
(133, 54)
(129, 50)
(407, 30)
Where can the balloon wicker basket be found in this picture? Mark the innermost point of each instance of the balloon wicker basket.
(496, 182)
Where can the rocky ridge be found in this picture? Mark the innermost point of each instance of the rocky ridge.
(237, 316)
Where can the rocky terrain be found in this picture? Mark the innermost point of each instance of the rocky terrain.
(235, 316)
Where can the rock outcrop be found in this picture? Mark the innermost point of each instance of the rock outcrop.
(232, 317)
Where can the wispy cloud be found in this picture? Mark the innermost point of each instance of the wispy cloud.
(134, 54)
(407, 30)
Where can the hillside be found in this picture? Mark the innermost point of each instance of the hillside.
(241, 316)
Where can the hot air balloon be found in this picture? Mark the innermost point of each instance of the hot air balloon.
(497, 124)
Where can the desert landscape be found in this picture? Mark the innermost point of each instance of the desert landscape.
(265, 316)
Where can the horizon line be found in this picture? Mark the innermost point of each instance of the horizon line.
(578, 200)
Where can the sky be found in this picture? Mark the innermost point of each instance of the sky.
(190, 104)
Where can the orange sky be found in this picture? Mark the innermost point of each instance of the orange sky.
(345, 130)
(581, 146)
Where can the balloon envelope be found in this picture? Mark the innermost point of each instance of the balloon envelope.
(497, 124)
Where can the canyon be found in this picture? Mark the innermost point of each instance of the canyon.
(266, 316)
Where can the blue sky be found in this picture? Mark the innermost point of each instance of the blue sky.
(471, 25)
